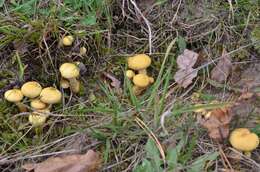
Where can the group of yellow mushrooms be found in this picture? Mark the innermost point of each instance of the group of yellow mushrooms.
(42, 99)
(137, 72)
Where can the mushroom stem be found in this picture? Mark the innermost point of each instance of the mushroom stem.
(248, 154)
(74, 85)
(21, 107)
(142, 71)
(137, 90)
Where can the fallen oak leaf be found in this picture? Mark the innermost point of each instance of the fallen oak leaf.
(222, 70)
(184, 77)
(187, 59)
(217, 123)
(115, 82)
(88, 162)
(186, 73)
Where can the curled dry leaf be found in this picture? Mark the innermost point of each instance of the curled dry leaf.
(223, 68)
(187, 59)
(88, 162)
(186, 73)
(184, 76)
(217, 123)
(115, 82)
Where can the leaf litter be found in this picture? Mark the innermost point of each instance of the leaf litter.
(217, 123)
(89, 162)
(223, 68)
(186, 73)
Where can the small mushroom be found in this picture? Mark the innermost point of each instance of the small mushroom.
(64, 83)
(130, 74)
(31, 89)
(37, 104)
(70, 72)
(139, 63)
(15, 96)
(244, 140)
(67, 40)
(141, 81)
(50, 95)
(37, 119)
(82, 51)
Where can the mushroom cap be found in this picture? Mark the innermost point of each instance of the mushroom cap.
(13, 95)
(37, 104)
(139, 62)
(64, 83)
(37, 119)
(130, 74)
(31, 89)
(243, 140)
(82, 51)
(69, 70)
(67, 40)
(141, 80)
(50, 95)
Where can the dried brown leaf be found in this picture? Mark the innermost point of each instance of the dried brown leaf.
(218, 123)
(223, 68)
(184, 77)
(115, 82)
(187, 59)
(88, 162)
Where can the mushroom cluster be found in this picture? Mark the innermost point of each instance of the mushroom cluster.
(137, 72)
(41, 100)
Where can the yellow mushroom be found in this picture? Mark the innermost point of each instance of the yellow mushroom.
(82, 51)
(31, 89)
(130, 74)
(37, 104)
(244, 140)
(15, 96)
(50, 95)
(139, 63)
(70, 72)
(67, 40)
(37, 119)
(141, 81)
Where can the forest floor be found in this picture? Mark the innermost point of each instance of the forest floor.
(159, 130)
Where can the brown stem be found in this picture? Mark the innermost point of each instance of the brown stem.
(21, 107)
(143, 71)
(74, 85)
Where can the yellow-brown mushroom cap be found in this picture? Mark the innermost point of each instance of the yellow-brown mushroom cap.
(13, 95)
(139, 62)
(243, 140)
(50, 95)
(69, 70)
(37, 104)
(37, 119)
(31, 89)
(67, 40)
(130, 74)
(141, 80)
